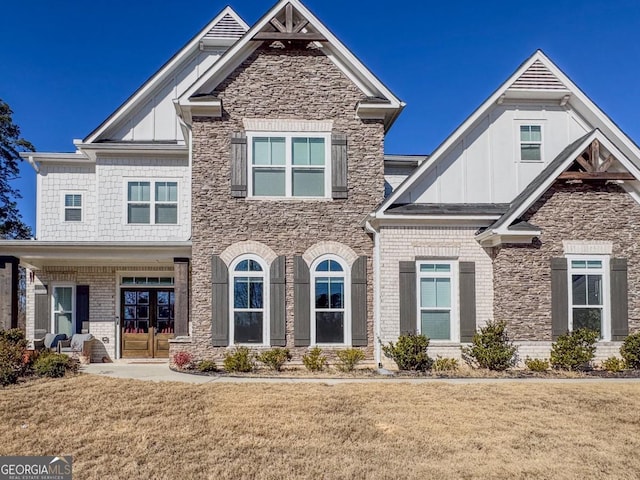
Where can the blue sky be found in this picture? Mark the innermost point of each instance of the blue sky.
(66, 65)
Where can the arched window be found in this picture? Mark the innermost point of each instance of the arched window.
(248, 301)
(330, 309)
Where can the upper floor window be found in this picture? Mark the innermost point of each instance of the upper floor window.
(145, 208)
(248, 312)
(72, 207)
(587, 306)
(288, 165)
(436, 291)
(531, 143)
(329, 312)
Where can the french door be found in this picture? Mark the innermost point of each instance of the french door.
(147, 322)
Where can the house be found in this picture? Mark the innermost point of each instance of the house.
(242, 196)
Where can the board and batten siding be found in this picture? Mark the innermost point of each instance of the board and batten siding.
(484, 166)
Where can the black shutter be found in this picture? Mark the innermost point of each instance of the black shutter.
(338, 165)
(408, 305)
(302, 306)
(219, 302)
(42, 319)
(82, 308)
(467, 283)
(559, 297)
(619, 299)
(277, 303)
(359, 302)
(238, 165)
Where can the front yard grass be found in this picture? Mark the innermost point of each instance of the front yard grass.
(132, 429)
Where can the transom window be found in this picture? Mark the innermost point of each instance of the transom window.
(159, 208)
(531, 143)
(73, 207)
(329, 304)
(587, 298)
(436, 311)
(248, 294)
(289, 165)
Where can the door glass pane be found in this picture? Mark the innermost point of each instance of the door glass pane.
(588, 318)
(163, 298)
(329, 327)
(436, 325)
(139, 213)
(579, 289)
(308, 183)
(247, 327)
(166, 214)
(143, 298)
(269, 182)
(594, 289)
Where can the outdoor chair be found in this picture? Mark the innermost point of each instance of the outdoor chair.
(80, 345)
(49, 342)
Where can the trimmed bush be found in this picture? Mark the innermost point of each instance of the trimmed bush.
(537, 364)
(630, 351)
(443, 364)
(491, 348)
(13, 348)
(574, 350)
(182, 359)
(54, 365)
(409, 352)
(207, 366)
(314, 360)
(613, 364)
(275, 358)
(240, 360)
(349, 358)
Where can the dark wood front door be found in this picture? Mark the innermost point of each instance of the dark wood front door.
(147, 322)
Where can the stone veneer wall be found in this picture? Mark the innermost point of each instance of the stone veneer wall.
(277, 83)
(522, 273)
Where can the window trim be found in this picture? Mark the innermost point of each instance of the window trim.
(152, 201)
(453, 275)
(605, 271)
(346, 274)
(64, 206)
(52, 318)
(530, 123)
(288, 164)
(266, 320)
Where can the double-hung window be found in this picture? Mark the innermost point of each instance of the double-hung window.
(152, 202)
(288, 165)
(587, 298)
(72, 207)
(329, 312)
(63, 299)
(248, 315)
(530, 143)
(436, 285)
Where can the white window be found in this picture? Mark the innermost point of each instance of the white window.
(530, 143)
(588, 305)
(437, 318)
(330, 305)
(249, 317)
(72, 207)
(161, 208)
(288, 165)
(62, 311)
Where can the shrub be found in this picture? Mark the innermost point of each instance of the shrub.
(240, 360)
(409, 352)
(12, 356)
(54, 365)
(537, 364)
(574, 350)
(349, 358)
(314, 361)
(630, 350)
(275, 358)
(182, 359)
(613, 364)
(443, 364)
(491, 348)
(207, 366)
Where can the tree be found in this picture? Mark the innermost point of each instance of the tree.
(11, 144)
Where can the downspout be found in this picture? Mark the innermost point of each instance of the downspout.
(377, 353)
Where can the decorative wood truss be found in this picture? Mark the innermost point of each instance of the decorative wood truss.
(289, 31)
(589, 167)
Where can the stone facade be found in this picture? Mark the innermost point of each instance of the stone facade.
(278, 83)
(592, 213)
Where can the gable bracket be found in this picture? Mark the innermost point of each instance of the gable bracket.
(289, 31)
(589, 160)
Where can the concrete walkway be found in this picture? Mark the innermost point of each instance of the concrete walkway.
(160, 372)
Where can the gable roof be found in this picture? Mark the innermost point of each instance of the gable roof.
(378, 99)
(224, 29)
(536, 78)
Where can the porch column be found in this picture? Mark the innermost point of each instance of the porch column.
(181, 291)
(9, 279)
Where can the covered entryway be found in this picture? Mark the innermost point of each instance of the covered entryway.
(147, 322)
